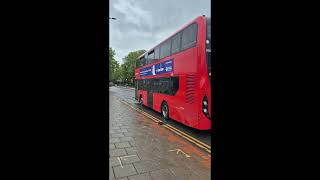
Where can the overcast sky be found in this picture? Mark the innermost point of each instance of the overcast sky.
(142, 24)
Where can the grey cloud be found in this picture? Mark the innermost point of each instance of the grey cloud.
(141, 24)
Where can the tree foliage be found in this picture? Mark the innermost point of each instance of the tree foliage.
(129, 65)
(113, 65)
(125, 71)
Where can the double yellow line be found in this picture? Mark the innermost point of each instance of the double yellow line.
(193, 140)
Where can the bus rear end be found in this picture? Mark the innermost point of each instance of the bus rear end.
(203, 96)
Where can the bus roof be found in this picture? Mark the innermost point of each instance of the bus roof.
(183, 27)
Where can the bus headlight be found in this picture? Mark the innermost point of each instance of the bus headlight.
(205, 103)
(205, 106)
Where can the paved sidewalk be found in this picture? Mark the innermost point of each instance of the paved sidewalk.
(140, 149)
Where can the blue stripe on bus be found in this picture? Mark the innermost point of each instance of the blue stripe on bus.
(160, 68)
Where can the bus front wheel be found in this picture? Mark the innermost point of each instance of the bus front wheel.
(165, 110)
(141, 100)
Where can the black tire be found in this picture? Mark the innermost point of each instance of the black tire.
(141, 101)
(165, 111)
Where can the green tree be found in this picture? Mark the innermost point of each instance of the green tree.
(129, 65)
(113, 65)
(123, 72)
(117, 73)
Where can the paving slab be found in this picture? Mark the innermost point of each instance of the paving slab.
(123, 171)
(143, 176)
(140, 149)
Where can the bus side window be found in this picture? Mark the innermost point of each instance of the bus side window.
(161, 87)
(157, 53)
(142, 61)
(156, 85)
(165, 49)
(140, 85)
(152, 85)
(146, 59)
(189, 36)
(176, 43)
(148, 84)
(151, 57)
(175, 85)
(165, 86)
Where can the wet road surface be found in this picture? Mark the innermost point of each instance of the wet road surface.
(127, 95)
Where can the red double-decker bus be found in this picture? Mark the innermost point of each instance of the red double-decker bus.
(174, 77)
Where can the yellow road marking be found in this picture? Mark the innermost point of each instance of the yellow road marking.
(195, 141)
(205, 145)
(177, 131)
(199, 145)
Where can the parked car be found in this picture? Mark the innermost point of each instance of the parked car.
(111, 84)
